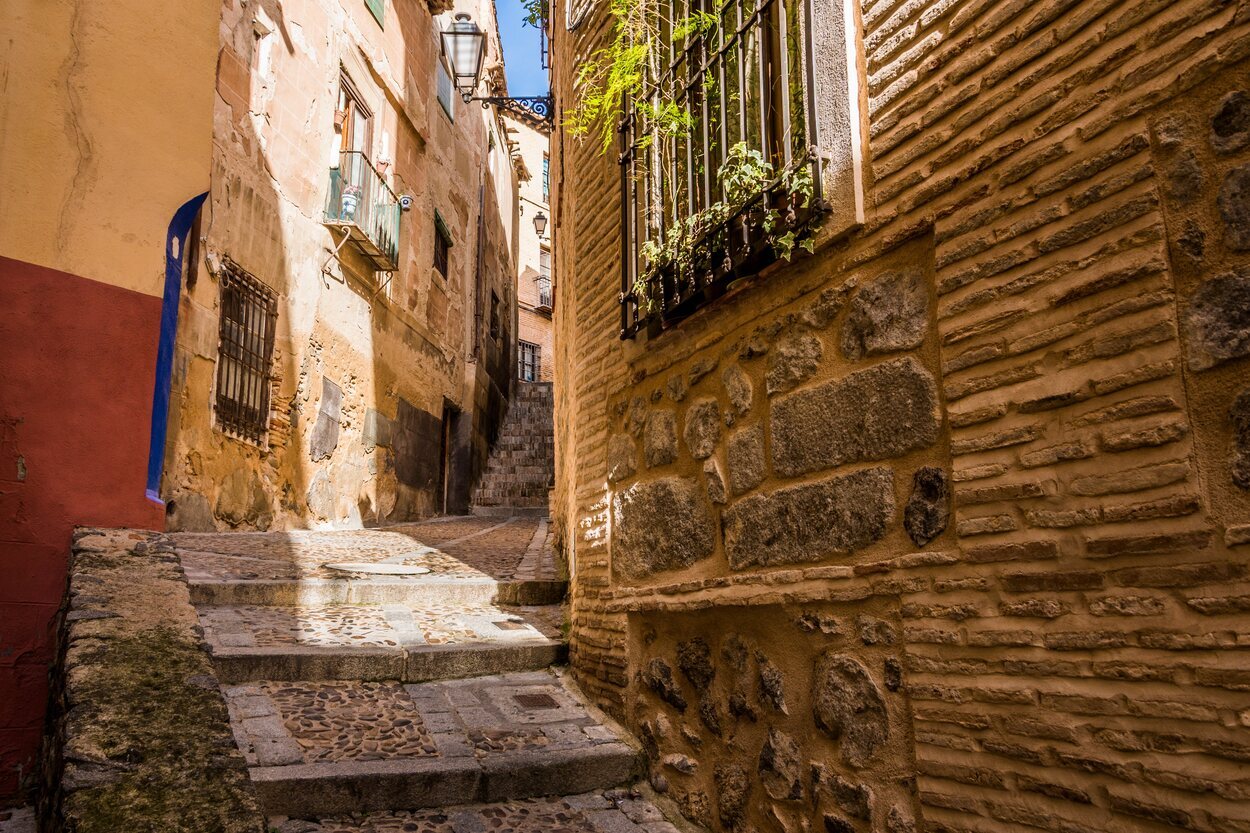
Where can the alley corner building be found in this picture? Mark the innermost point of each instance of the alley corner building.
(259, 271)
(946, 525)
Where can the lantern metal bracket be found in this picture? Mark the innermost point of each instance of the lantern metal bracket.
(534, 107)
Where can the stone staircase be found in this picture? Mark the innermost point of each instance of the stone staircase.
(521, 468)
(401, 693)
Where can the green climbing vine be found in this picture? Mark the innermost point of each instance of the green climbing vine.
(627, 79)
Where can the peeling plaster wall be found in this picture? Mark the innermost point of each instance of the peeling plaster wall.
(365, 364)
(972, 479)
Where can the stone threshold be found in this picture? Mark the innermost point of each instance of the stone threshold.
(310, 592)
(410, 664)
(613, 811)
(323, 789)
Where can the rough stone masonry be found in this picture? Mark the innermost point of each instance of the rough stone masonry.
(945, 527)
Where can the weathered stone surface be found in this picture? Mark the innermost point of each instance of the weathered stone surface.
(658, 676)
(780, 767)
(772, 684)
(636, 418)
(1234, 203)
(1184, 177)
(1240, 415)
(793, 362)
(660, 438)
(325, 435)
(1230, 126)
(849, 707)
(738, 388)
(710, 714)
(702, 428)
(701, 368)
(821, 312)
(746, 459)
(1218, 320)
(887, 315)
(1192, 241)
(733, 788)
(681, 763)
(715, 481)
(622, 458)
(662, 525)
(881, 412)
(899, 821)
(874, 631)
(928, 509)
(677, 387)
(808, 523)
(853, 799)
(694, 658)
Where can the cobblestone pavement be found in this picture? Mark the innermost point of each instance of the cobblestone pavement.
(392, 625)
(506, 549)
(22, 820)
(616, 811)
(278, 724)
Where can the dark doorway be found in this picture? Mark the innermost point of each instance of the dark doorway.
(451, 415)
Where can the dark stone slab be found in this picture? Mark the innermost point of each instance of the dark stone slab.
(662, 525)
(887, 315)
(1218, 319)
(325, 435)
(874, 414)
(810, 522)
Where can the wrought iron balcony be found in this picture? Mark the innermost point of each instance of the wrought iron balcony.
(363, 206)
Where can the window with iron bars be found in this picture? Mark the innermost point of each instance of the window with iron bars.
(735, 87)
(249, 315)
(528, 362)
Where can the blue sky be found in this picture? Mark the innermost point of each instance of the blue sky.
(526, 75)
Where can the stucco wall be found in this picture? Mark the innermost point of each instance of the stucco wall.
(86, 199)
(365, 361)
(945, 527)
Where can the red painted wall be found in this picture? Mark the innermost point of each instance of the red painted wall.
(77, 361)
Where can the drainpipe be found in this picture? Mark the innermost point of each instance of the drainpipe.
(477, 267)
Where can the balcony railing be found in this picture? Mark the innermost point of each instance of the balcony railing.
(365, 208)
(544, 293)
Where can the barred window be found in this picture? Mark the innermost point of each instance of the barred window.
(249, 314)
(713, 150)
(528, 370)
(544, 277)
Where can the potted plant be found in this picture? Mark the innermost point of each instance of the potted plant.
(351, 199)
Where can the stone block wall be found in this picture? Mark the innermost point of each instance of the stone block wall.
(1005, 415)
(138, 734)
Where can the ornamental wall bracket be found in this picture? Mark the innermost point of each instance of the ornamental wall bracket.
(538, 107)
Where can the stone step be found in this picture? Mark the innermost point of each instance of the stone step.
(379, 642)
(317, 749)
(613, 811)
(512, 512)
(414, 590)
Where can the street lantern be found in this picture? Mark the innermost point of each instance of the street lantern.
(540, 223)
(464, 47)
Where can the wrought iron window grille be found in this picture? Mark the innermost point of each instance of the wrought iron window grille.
(248, 321)
(746, 79)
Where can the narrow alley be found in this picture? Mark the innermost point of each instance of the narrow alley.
(625, 416)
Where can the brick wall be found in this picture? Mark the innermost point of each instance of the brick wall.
(1006, 417)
